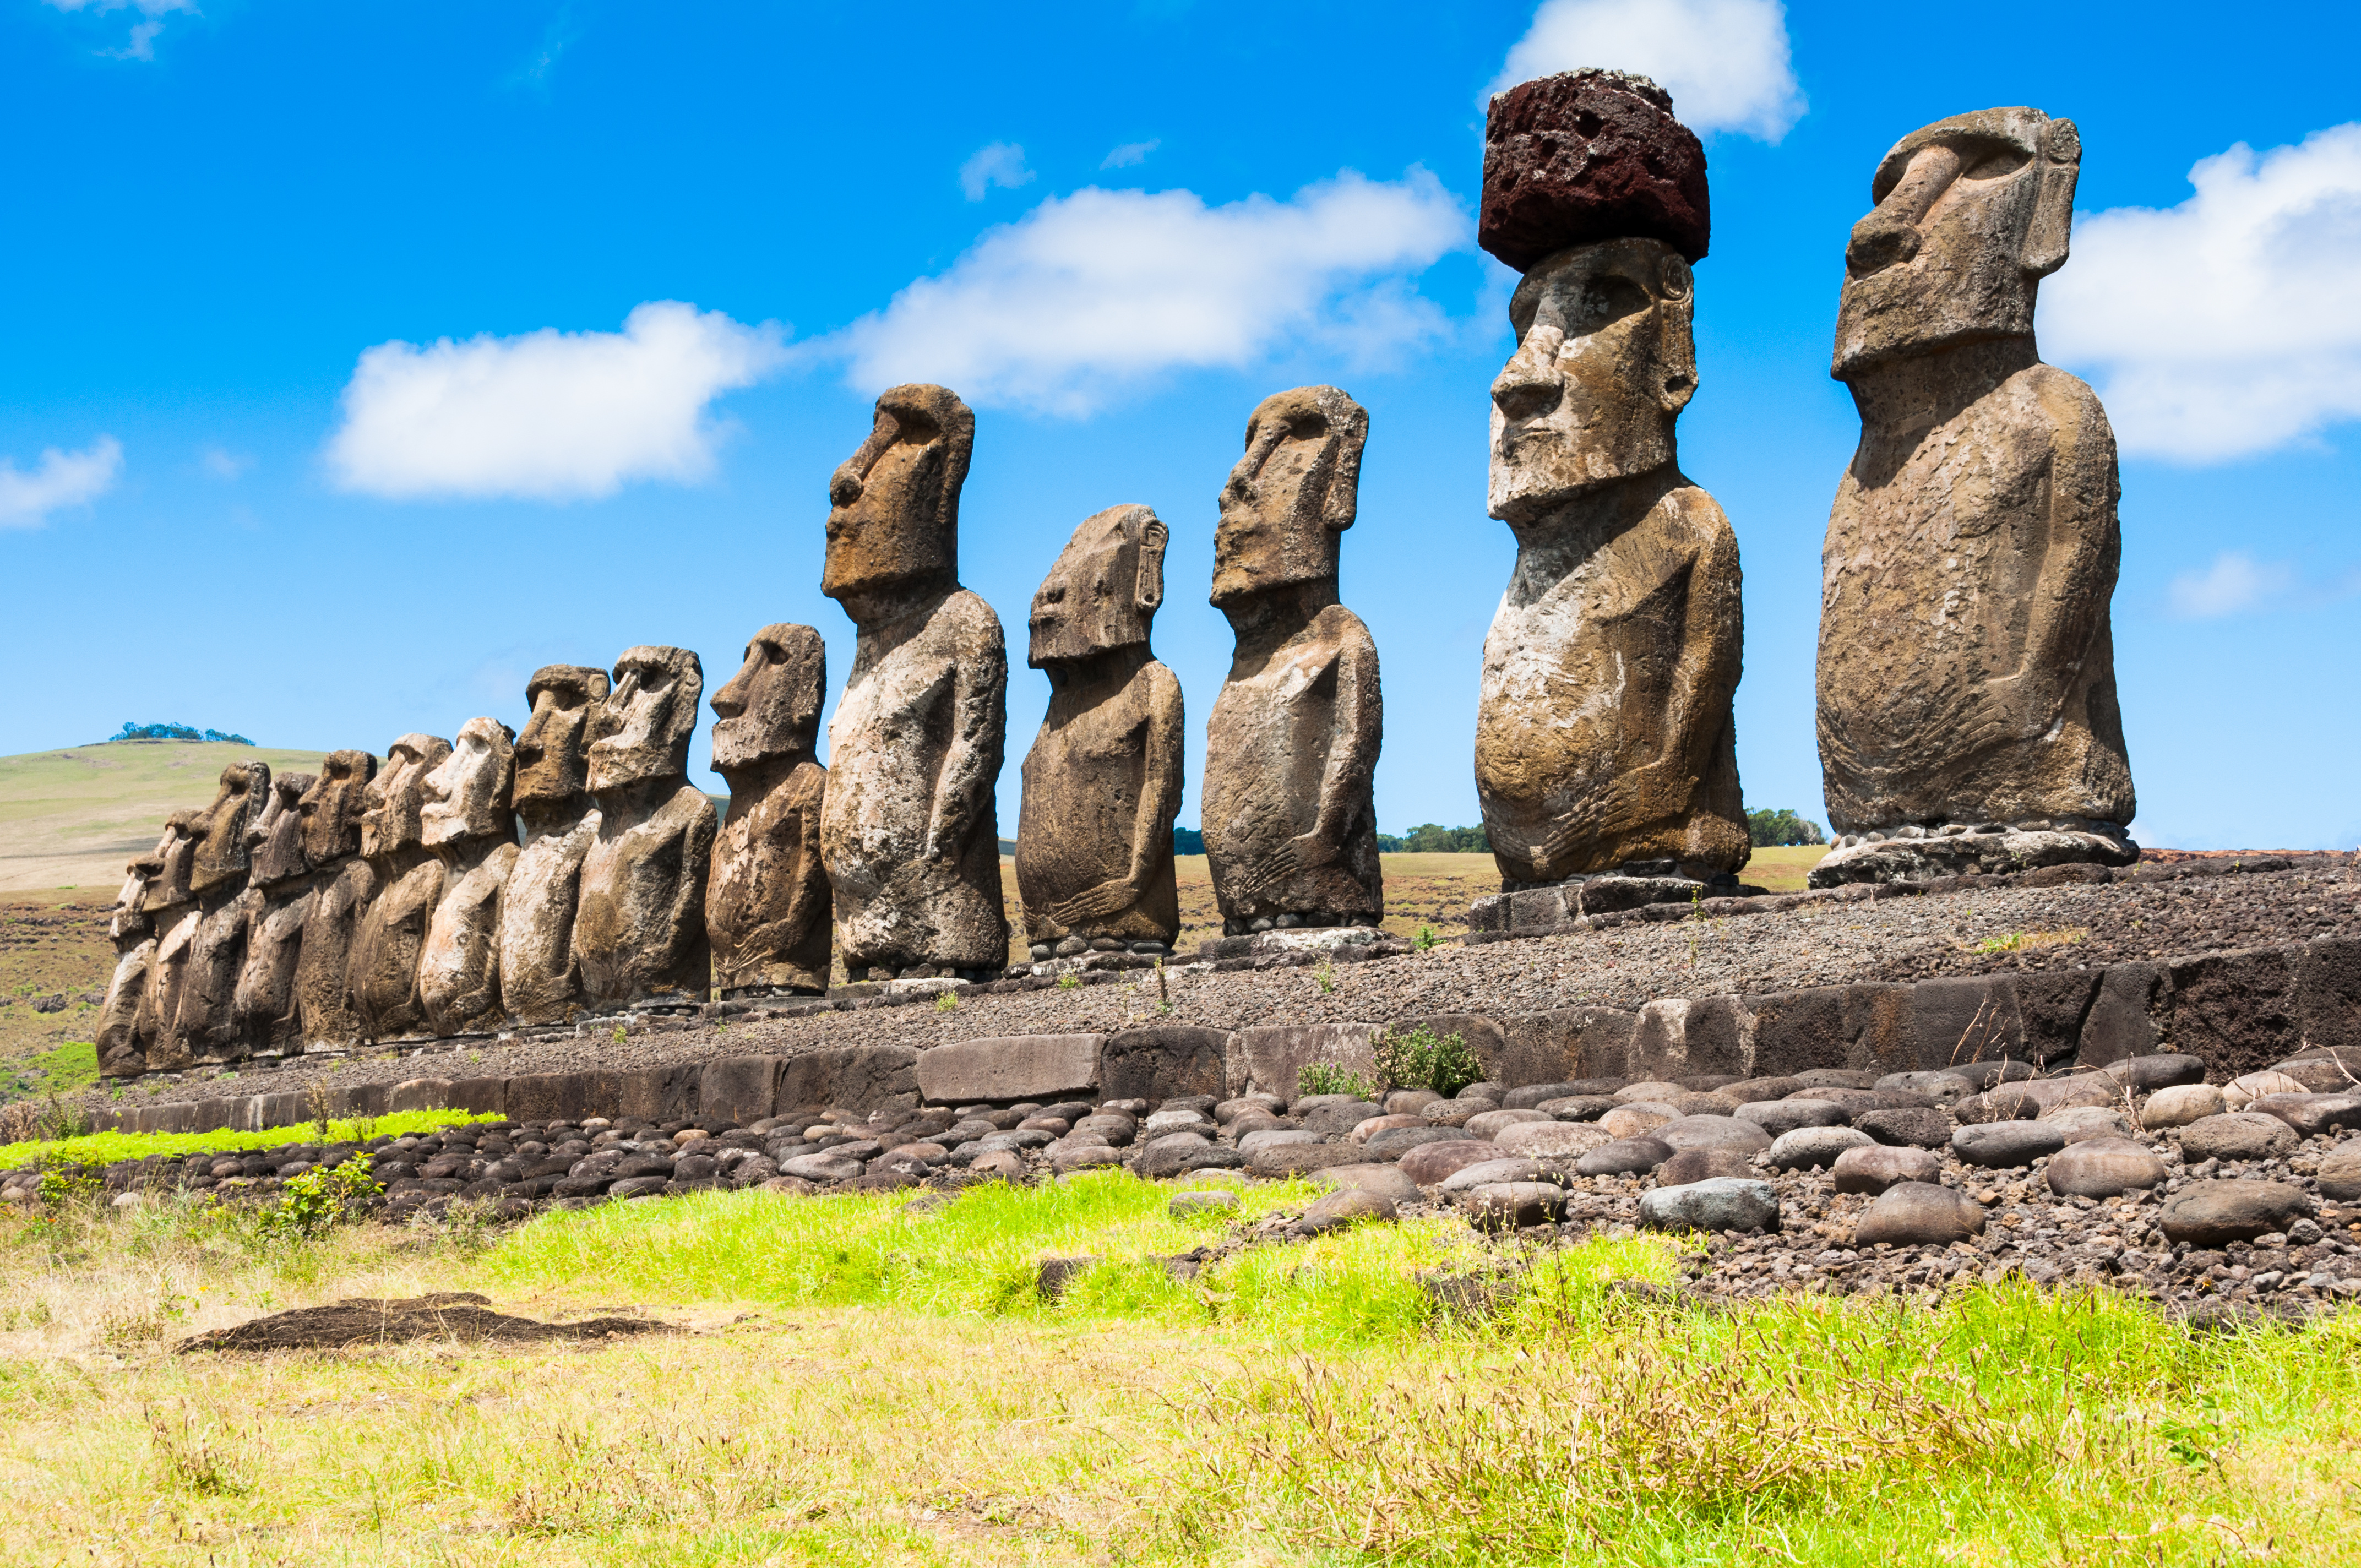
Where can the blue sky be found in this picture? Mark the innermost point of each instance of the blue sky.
(243, 489)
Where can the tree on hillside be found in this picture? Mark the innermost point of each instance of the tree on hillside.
(1771, 829)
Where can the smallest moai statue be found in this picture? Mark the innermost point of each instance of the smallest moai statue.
(767, 907)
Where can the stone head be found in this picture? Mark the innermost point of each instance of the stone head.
(1292, 493)
(553, 755)
(332, 807)
(893, 521)
(1971, 213)
(393, 801)
(1605, 363)
(1103, 591)
(275, 843)
(167, 880)
(220, 859)
(642, 730)
(771, 707)
(467, 793)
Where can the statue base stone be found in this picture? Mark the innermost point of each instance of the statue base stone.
(1637, 883)
(1915, 853)
(1300, 939)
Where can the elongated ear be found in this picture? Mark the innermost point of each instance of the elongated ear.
(2052, 226)
(1149, 591)
(1677, 349)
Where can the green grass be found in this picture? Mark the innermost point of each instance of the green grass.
(106, 1148)
(61, 1070)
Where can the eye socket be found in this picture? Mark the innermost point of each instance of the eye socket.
(1604, 301)
(1992, 162)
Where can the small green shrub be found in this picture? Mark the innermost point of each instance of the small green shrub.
(1070, 982)
(314, 1203)
(946, 1003)
(1327, 1078)
(1427, 938)
(1326, 976)
(1419, 1060)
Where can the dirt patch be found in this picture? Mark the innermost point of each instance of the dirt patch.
(447, 1314)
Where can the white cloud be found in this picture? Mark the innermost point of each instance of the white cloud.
(548, 415)
(1128, 154)
(1724, 61)
(63, 480)
(2235, 582)
(1002, 163)
(2231, 324)
(223, 464)
(141, 44)
(1093, 291)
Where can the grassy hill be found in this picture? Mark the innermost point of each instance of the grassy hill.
(69, 820)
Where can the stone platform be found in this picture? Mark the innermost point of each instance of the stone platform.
(1914, 853)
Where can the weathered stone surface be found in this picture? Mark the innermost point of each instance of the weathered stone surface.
(1342, 1209)
(743, 1090)
(1604, 735)
(1713, 1132)
(2180, 1104)
(1718, 1203)
(173, 914)
(1565, 1042)
(2122, 1023)
(1877, 1166)
(1814, 1148)
(1567, 1139)
(2160, 1071)
(332, 809)
(2104, 1168)
(541, 981)
(2237, 1135)
(1920, 1213)
(468, 823)
(2244, 1091)
(1917, 1128)
(268, 1017)
(402, 884)
(639, 921)
(2311, 1114)
(1511, 1205)
(869, 1077)
(1779, 1117)
(223, 850)
(767, 905)
(1589, 154)
(1967, 1018)
(1163, 1061)
(1640, 1118)
(2215, 1213)
(1290, 752)
(205, 1021)
(1430, 1165)
(907, 830)
(120, 1051)
(1272, 1057)
(1385, 1182)
(1009, 1066)
(2340, 1174)
(1102, 781)
(1696, 1165)
(2237, 1010)
(1999, 712)
(2328, 994)
(2082, 1123)
(2001, 1143)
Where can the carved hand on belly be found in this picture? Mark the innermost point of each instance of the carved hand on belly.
(2005, 709)
(1094, 904)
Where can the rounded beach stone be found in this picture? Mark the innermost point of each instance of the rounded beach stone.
(1084, 1157)
(1873, 1167)
(2104, 1168)
(1920, 1213)
(1589, 154)
(2000, 1144)
(1943, 1087)
(1566, 1138)
(1350, 1206)
(1409, 1102)
(1718, 1203)
(1648, 1089)
(2237, 1135)
(1814, 1148)
(1712, 1132)
(1625, 1157)
(1749, 1089)
(2340, 1174)
(2180, 1104)
(2215, 1213)
(2311, 1114)
(1913, 1128)
(2165, 1069)
(1363, 1132)
(1294, 1159)
(1431, 1163)
(2081, 1121)
(1264, 1138)
(1008, 1163)
(1778, 1116)
(1632, 1121)
(1488, 1123)
(1578, 1107)
(1494, 1171)
(1396, 1142)
(1509, 1205)
(2244, 1090)
(1385, 1182)
(820, 1168)
(1700, 1165)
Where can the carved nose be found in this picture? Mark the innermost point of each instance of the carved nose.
(844, 488)
(1520, 398)
(1879, 241)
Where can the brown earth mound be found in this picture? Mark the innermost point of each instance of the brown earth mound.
(448, 1314)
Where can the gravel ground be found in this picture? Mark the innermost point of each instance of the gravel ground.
(2165, 911)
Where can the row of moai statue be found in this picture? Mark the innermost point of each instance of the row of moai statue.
(1967, 707)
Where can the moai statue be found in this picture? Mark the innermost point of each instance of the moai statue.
(280, 879)
(174, 914)
(639, 928)
(907, 831)
(1102, 781)
(467, 824)
(331, 812)
(121, 1053)
(1966, 682)
(766, 909)
(207, 1018)
(540, 981)
(1291, 827)
(1603, 741)
(406, 882)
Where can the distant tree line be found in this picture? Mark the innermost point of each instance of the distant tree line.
(1771, 829)
(1430, 839)
(131, 731)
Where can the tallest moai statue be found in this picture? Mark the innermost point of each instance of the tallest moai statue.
(1967, 684)
(1605, 758)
